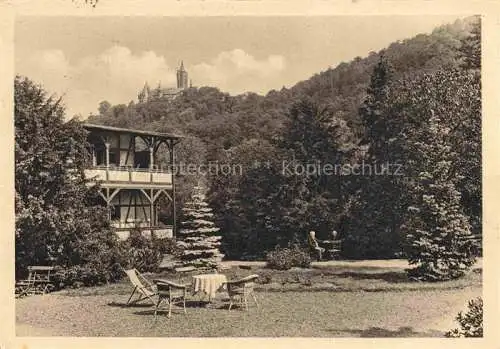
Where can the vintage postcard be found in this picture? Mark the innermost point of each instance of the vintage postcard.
(209, 173)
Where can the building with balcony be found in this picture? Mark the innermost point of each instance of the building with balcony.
(135, 172)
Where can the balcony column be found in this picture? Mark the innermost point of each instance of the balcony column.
(94, 158)
(151, 157)
(107, 145)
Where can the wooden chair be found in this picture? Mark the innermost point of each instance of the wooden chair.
(172, 293)
(333, 248)
(142, 286)
(241, 289)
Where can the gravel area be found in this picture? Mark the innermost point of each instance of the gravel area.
(316, 314)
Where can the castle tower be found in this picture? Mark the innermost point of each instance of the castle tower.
(145, 94)
(182, 77)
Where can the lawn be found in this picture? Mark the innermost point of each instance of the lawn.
(326, 302)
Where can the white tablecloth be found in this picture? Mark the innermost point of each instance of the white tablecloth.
(208, 283)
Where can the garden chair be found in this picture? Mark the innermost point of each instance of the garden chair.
(241, 289)
(333, 249)
(142, 286)
(170, 292)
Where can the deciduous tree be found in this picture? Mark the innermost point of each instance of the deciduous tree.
(59, 220)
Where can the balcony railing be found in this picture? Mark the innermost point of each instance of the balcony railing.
(158, 232)
(129, 175)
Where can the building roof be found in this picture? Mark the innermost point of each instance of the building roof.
(94, 127)
(171, 90)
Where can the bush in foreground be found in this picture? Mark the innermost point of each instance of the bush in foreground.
(471, 323)
(285, 258)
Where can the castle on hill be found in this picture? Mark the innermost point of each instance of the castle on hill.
(147, 94)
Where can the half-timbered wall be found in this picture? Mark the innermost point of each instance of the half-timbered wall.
(126, 150)
(130, 208)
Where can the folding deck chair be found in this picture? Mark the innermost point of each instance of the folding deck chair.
(145, 289)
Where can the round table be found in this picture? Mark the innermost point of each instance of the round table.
(208, 283)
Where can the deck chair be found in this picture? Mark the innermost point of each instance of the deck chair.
(144, 289)
(171, 293)
(239, 290)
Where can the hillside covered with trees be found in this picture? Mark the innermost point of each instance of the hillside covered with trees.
(415, 105)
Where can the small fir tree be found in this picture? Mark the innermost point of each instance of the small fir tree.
(439, 239)
(199, 236)
(440, 242)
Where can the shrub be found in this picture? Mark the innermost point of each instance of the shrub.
(288, 257)
(265, 279)
(146, 254)
(85, 275)
(471, 323)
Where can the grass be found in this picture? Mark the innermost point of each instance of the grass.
(340, 302)
(333, 279)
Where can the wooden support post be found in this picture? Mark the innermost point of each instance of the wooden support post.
(103, 196)
(174, 211)
(94, 158)
(107, 145)
(113, 194)
(108, 202)
(151, 207)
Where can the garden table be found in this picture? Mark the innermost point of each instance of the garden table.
(332, 248)
(208, 284)
(38, 281)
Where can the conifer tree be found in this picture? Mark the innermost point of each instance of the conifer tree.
(199, 236)
(376, 214)
(438, 108)
(440, 241)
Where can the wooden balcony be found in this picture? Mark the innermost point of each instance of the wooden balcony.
(128, 177)
(158, 232)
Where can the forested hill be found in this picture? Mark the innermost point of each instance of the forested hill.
(416, 104)
(221, 121)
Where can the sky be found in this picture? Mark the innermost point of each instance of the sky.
(90, 59)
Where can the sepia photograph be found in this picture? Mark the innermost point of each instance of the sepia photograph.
(248, 176)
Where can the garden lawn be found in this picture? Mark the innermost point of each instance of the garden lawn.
(307, 303)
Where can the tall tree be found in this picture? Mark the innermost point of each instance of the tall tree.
(314, 141)
(59, 220)
(104, 106)
(470, 49)
(439, 109)
(378, 195)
